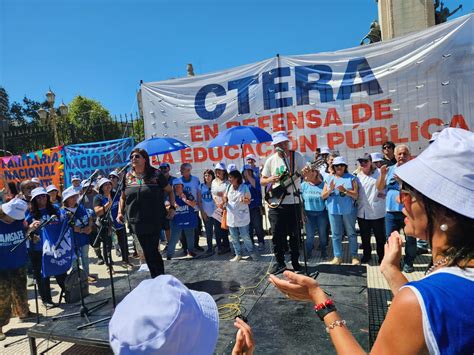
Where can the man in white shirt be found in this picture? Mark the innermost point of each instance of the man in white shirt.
(284, 219)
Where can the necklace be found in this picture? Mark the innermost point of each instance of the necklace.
(437, 264)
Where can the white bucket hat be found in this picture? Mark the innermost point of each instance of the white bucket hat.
(338, 161)
(16, 209)
(444, 172)
(376, 157)
(75, 178)
(114, 173)
(280, 136)
(38, 191)
(231, 167)
(250, 156)
(102, 182)
(434, 136)
(50, 188)
(36, 180)
(324, 150)
(219, 166)
(179, 321)
(69, 192)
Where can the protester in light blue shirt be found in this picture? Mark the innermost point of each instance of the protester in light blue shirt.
(191, 185)
(316, 215)
(340, 192)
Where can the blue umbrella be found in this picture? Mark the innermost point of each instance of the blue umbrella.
(161, 145)
(240, 135)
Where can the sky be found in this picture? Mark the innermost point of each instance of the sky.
(101, 49)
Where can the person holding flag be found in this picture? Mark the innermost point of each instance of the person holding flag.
(55, 259)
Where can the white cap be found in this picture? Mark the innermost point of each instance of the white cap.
(250, 156)
(69, 192)
(279, 137)
(38, 191)
(50, 188)
(324, 150)
(15, 208)
(36, 180)
(376, 157)
(231, 167)
(434, 136)
(114, 173)
(338, 161)
(219, 166)
(75, 178)
(102, 182)
(180, 321)
(443, 172)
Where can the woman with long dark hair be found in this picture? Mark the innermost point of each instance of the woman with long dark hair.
(207, 206)
(42, 209)
(218, 187)
(432, 315)
(142, 202)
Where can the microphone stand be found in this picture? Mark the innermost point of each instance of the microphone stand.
(83, 310)
(29, 234)
(106, 221)
(299, 236)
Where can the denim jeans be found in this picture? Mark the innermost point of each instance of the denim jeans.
(175, 235)
(338, 223)
(256, 224)
(319, 220)
(209, 227)
(394, 221)
(84, 259)
(242, 232)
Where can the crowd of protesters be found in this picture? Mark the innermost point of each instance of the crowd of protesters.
(328, 202)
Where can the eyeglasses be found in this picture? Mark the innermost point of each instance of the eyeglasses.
(135, 156)
(404, 193)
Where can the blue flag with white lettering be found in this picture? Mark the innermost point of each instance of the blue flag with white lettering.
(57, 259)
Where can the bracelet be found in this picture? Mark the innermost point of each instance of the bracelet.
(336, 323)
(323, 309)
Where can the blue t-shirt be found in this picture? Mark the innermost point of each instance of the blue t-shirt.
(81, 220)
(185, 216)
(10, 235)
(101, 200)
(38, 246)
(208, 204)
(255, 193)
(336, 203)
(312, 197)
(393, 190)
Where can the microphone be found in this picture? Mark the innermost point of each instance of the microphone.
(280, 150)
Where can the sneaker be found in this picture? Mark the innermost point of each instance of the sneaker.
(191, 254)
(29, 317)
(101, 262)
(296, 266)
(277, 268)
(336, 261)
(2, 336)
(168, 258)
(236, 258)
(408, 268)
(355, 260)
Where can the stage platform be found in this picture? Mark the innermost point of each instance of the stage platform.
(280, 326)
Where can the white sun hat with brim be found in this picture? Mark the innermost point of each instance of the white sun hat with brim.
(38, 191)
(279, 137)
(69, 192)
(231, 167)
(182, 321)
(376, 157)
(219, 166)
(36, 180)
(324, 150)
(75, 178)
(102, 182)
(50, 188)
(434, 136)
(250, 156)
(339, 161)
(86, 183)
(15, 208)
(444, 172)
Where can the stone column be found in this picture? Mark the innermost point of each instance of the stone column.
(399, 17)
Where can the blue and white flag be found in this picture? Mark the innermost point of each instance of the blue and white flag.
(57, 259)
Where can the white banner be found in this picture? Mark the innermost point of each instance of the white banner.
(351, 100)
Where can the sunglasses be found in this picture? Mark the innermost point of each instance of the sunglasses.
(164, 167)
(135, 156)
(112, 177)
(363, 162)
(387, 147)
(339, 165)
(404, 193)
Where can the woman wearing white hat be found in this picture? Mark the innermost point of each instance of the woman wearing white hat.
(42, 209)
(218, 188)
(54, 195)
(13, 292)
(82, 228)
(432, 315)
(340, 193)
